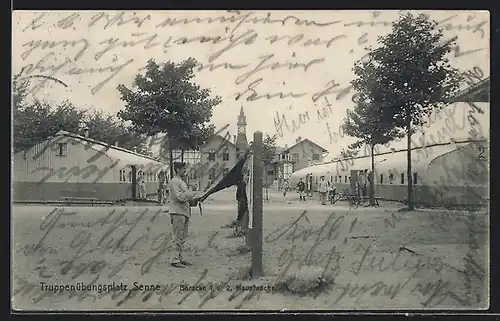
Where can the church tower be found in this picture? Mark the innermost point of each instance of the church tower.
(241, 138)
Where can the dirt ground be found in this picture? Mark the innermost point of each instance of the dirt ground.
(364, 258)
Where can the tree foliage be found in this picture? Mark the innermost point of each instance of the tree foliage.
(165, 99)
(106, 127)
(34, 122)
(268, 154)
(268, 149)
(410, 74)
(410, 71)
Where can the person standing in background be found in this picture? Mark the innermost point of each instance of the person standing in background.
(242, 199)
(286, 187)
(362, 185)
(301, 187)
(331, 193)
(309, 185)
(162, 181)
(141, 184)
(323, 189)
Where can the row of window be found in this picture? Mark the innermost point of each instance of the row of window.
(211, 155)
(295, 157)
(126, 176)
(338, 179)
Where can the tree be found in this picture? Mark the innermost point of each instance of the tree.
(34, 122)
(108, 128)
(413, 75)
(268, 153)
(371, 123)
(166, 100)
(194, 138)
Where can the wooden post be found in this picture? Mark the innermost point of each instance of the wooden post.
(257, 206)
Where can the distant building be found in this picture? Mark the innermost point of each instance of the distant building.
(218, 156)
(296, 157)
(214, 159)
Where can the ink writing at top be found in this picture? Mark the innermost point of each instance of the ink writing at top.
(265, 64)
(252, 94)
(35, 23)
(118, 19)
(79, 44)
(146, 40)
(69, 21)
(247, 38)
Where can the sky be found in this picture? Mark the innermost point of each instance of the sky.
(251, 53)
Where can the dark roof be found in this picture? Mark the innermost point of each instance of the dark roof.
(454, 141)
(323, 149)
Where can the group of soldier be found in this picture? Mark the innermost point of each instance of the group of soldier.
(162, 190)
(327, 190)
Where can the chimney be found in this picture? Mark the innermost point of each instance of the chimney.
(298, 139)
(234, 137)
(135, 149)
(116, 144)
(286, 146)
(86, 132)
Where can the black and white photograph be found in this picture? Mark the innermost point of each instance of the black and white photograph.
(235, 160)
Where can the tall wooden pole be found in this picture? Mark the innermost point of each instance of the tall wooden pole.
(257, 206)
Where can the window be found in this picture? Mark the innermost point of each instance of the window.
(331, 179)
(122, 175)
(345, 179)
(391, 178)
(270, 172)
(62, 149)
(381, 178)
(130, 176)
(402, 178)
(336, 178)
(295, 157)
(211, 155)
(225, 156)
(414, 178)
(315, 157)
(150, 177)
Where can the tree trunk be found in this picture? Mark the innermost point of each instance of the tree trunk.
(372, 178)
(408, 161)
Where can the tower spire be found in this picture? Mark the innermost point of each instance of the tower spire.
(241, 139)
(242, 119)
